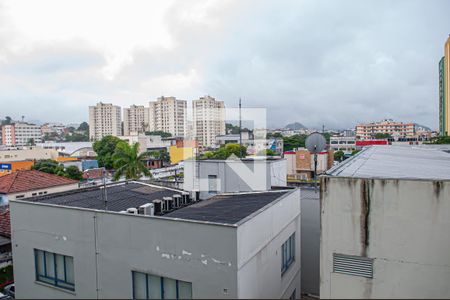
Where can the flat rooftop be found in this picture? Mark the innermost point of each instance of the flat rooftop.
(425, 162)
(225, 208)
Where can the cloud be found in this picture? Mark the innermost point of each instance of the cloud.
(316, 62)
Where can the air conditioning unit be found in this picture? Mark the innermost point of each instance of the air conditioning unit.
(158, 207)
(167, 203)
(185, 198)
(132, 210)
(177, 201)
(148, 209)
(123, 211)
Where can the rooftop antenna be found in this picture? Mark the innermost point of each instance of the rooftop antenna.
(104, 194)
(315, 143)
(240, 130)
(23, 118)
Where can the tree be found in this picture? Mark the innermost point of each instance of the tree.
(76, 137)
(31, 142)
(266, 152)
(160, 154)
(84, 127)
(295, 141)
(339, 155)
(73, 172)
(440, 140)
(128, 162)
(159, 132)
(355, 152)
(225, 152)
(380, 136)
(48, 166)
(105, 149)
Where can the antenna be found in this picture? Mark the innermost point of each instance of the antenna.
(104, 194)
(315, 143)
(240, 130)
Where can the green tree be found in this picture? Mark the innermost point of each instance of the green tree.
(355, 152)
(380, 136)
(295, 141)
(266, 152)
(440, 140)
(73, 172)
(128, 162)
(159, 132)
(339, 155)
(84, 127)
(76, 137)
(31, 142)
(105, 149)
(7, 121)
(160, 154)
(48, 166)
(225, 152)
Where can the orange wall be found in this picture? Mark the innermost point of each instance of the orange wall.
(16, 166)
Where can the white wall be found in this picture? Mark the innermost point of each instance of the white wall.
(407, 234)
(259, 251)
(50, 190)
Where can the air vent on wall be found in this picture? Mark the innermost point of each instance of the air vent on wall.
(353, 265)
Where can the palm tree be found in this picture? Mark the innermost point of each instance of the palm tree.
(128, 162)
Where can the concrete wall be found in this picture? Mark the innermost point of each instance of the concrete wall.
(202, 254)
(50, 190)
(402, 224)
(234, 175)
(259, 251)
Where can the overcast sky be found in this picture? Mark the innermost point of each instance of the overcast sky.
(316, 62)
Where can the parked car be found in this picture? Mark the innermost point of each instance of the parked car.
(10, 290)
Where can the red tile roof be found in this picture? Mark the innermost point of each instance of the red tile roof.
(22, 181)
(5, 225)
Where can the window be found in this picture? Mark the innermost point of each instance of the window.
(54, 269)
(212, 184)
(353, 265)
(147, 286)
(287, 253)
(20, 196)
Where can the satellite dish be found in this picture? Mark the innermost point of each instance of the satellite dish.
(315, 143)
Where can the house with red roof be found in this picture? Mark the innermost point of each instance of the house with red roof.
(32, 183)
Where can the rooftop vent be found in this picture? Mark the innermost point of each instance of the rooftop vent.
(132, 210)
(177, 201)
(167, 204)
(148, 209)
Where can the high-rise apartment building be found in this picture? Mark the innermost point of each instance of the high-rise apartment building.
(168, 114)
(104, 119)
(135, 119)
(444, 91)
(368, 131)
(209, 120)
(21, 134)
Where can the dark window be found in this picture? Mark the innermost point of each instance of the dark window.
(54, 269)
(287, 253)
(147, 286)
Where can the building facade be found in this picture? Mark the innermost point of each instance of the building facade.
(168, 114)
(21, 134)
(301, 163)
(384, 230)
(399, 129)
(343, 143)
(135, 120)
(444, 91)
(208, 120)
(102, 253)
(104, 119)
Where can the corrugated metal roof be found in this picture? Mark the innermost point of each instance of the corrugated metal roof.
(427, 162)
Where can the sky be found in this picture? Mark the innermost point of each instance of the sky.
(316, 62)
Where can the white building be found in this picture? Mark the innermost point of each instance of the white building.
(347, 144)
(385, 223)
(217, 248)
(135, 119)
(104, 119)
(208, 120)
(21, 134)
(168, 114)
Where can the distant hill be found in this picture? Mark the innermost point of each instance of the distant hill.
(295, 126)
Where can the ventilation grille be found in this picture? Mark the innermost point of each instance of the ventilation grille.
(353, 265)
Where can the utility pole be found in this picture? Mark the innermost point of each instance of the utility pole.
(104, 194)
(240, 130)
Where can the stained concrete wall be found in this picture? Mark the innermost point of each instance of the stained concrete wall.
(402, 224)
(259, 251)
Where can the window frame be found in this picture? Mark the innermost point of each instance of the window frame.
(161, 279)
(287, 254)
(54, 280)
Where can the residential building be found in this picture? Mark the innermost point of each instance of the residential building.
(212, 176)
(27, 153)
(11, 167)
(181, 150)
(21, 134)
(52, 128)
(135, 120)
(385, 219)
(25, 184)
(104, 119)
(301, 163)
(347, 144)
(254, 145)
(168, 114)
(444, 91)
(394, 129)
(208, 120)
(152, 242)
(80, 150)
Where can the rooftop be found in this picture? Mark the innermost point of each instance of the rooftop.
(226, 208)
(22, 181)
(426, 162)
